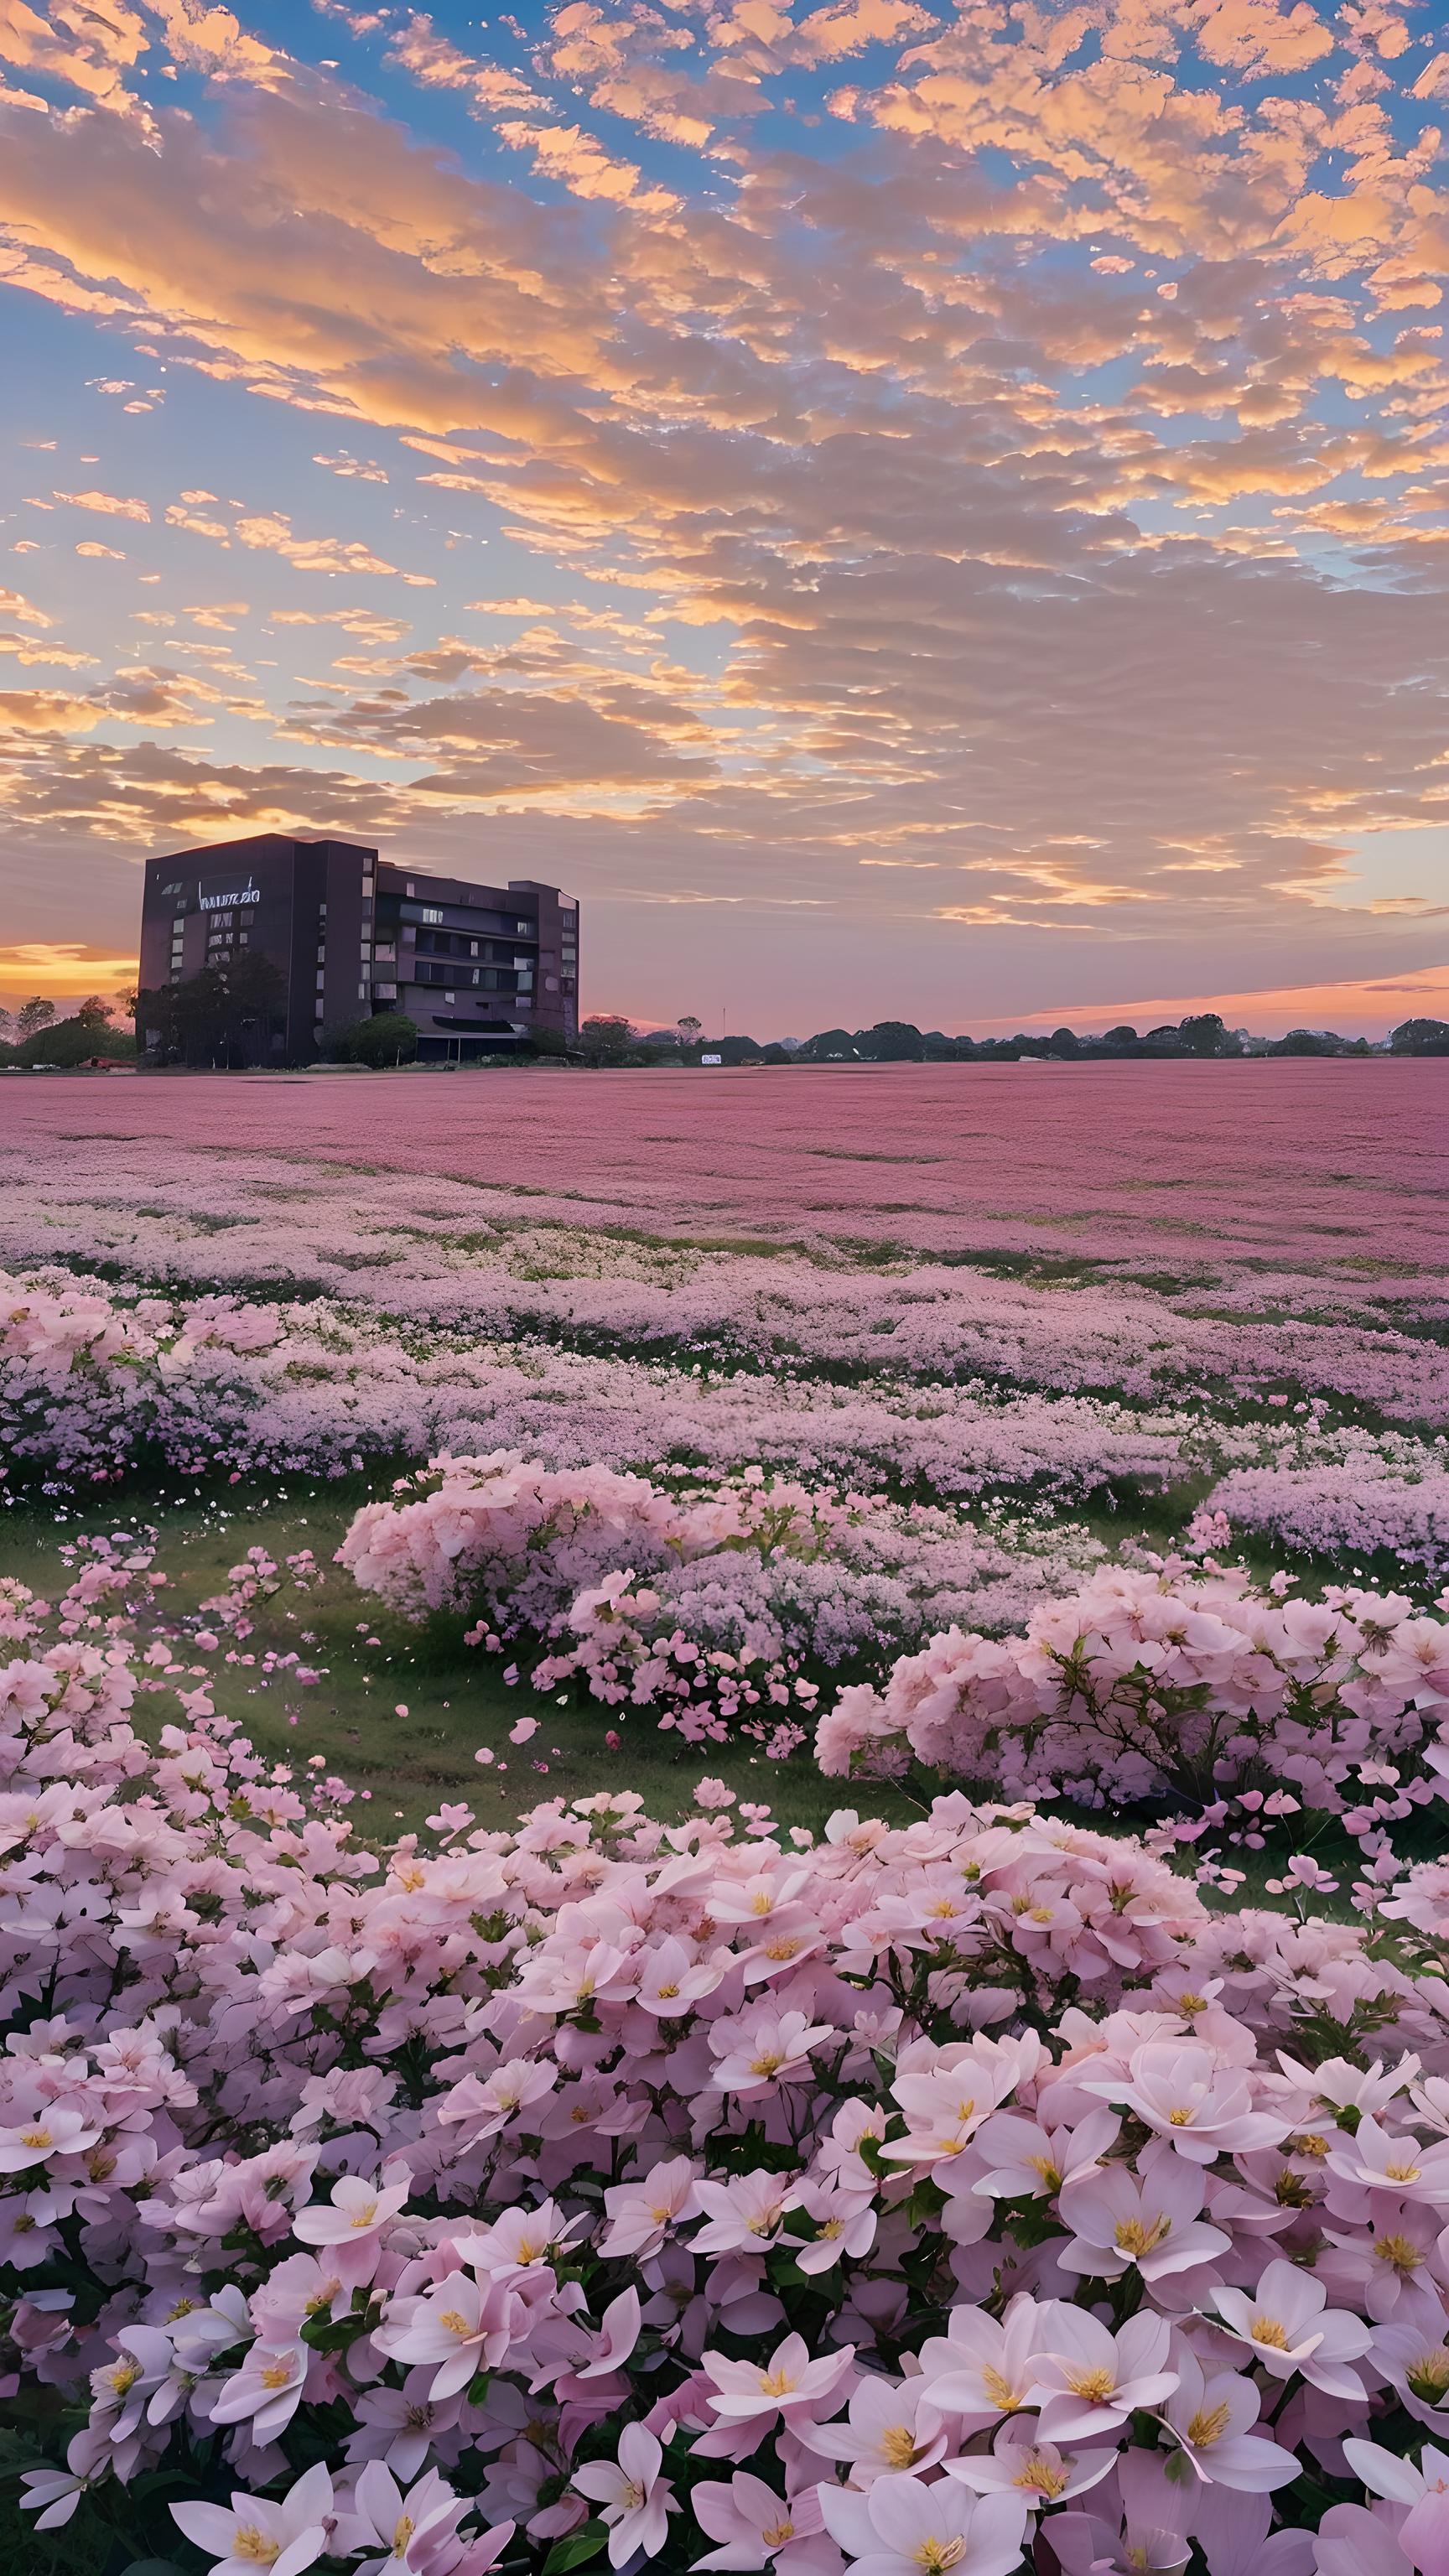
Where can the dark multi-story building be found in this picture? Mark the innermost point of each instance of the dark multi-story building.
(482, 970)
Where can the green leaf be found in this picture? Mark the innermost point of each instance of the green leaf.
(333, 2334)
(575, 2548)
(926, 2203)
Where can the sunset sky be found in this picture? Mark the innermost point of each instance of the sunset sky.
(906, 509)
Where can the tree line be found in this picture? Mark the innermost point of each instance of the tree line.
(610, 1039)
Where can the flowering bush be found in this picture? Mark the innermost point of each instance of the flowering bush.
(702, 1600)
(704, 2195)
(1177, 1682)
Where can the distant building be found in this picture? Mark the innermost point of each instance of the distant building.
(480, 969)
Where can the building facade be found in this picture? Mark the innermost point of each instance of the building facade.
(481, 970)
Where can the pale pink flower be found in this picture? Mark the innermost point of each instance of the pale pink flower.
(485, 2107)
(1024, 2465)
(462, 2325)
(1359, 2540)
(1119, 2219)
(1288, 2325)
(981, 2370)
(266, 2392)
(416, 2531)
(1203, 2109)
(252, 2532)
(1424, 2533)
(1211, 2416)
(1090, 2380)
(618, 2334)
(891, 2426)
(743, 2213)
(642, 2213)
(901, 2526)
(845, 2226)
(1382, 2162)
(351, 2224)
(756, 2527)
(764, 2048)
(945, 2106)
(635, 2501)
(789, 2385)
(1027, 2160)
(672, 1980)
(58, 2130)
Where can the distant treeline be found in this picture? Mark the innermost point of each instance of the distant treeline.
(614, 1041)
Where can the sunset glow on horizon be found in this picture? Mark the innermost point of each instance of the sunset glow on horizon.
(930, 509)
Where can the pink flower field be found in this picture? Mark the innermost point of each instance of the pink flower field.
(1320, 1166)
(1041, 2160)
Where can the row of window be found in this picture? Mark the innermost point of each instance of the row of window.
(478, 979)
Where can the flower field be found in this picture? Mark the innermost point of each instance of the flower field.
(999, 2114)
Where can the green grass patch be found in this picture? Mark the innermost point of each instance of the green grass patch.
(455, 1699)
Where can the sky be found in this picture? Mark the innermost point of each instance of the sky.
(928, 509)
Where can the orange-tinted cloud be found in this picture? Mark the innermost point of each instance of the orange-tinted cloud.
(991, 477)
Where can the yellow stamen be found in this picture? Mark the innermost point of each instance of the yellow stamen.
(1000, 2391)
(1096, 2383)
(1137, 2236)
(1040, 2477)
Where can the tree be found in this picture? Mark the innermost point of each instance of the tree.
(35, 1014)
(690, 1030)
(218, 1015)
(606, 1039)
(95, 1013)
(1203, 1033)
(1121, 1036)
(389, 1037)
(1420, 1037)
(72, 1041)
(891, 1042)
(831, 1046)
(1310, 1042)
(1064, 1042)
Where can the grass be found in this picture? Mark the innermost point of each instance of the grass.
(401, 1721)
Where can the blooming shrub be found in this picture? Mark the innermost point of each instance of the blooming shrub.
(1180, 1682)
(704, 2195)
(705, 1601)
